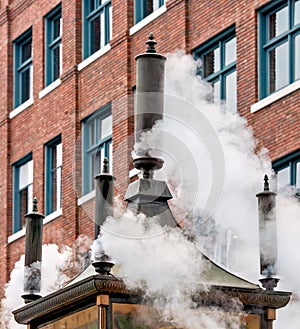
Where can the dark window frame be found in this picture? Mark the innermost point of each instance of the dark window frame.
(92, 10)
(289, 161)
(144, 8)
(52, 43)
(93, 150)
(22, 66)
(52, 172)
(218, 41)
(18, 219)
(266, 45)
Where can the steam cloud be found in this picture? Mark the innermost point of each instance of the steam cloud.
(228, 231)
(52, 279)
(222, 219)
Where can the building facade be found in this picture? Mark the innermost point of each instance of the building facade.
(68, 77)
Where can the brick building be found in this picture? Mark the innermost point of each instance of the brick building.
(68, 72)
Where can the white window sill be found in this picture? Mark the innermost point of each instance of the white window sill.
(46, 220)
(52, 216)
(21, 108)
(49, 88)
(86, 198)
(93, 57)
(16, 235)
(275, 97)
(148, 19)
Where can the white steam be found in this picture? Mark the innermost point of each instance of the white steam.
(214, 174)
(52, 279)
(166, 265)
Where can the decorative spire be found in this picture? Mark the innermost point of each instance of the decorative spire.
(151, 44)
(105, 166)
(34, 205)
(266, 184)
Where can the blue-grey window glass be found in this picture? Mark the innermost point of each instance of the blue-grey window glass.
(53, 175)
(279, 30)
(22, 197)
(53, 29)
(288, 171)
(97, 144)
(218, 57)
(143, 8)
(23, 68)
(297, 57)
(97, 25)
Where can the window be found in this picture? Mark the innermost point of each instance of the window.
(218, 57)
(144, 8)
(22, 198)
(23, 68)
(97, 25)
(288, 171)
(97, 144)
(53, 28)
(53, 153)
(279, 45)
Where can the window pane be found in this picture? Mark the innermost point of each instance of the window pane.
(231, 92)
(298, 175)
(95, 34)
(102, 34)
(278, 67)
(59, 154)
(110, 22)
(56, 27)
(297, 12)
(297, 57)
(23, 206)
(25, 51)
(92, 5)
(54, 158)
(156, 4)
(25, 174)
(56, 62)
(54, 190)
(29, 198)
(230, 51)
(278, 22)
(25, 83)
(211, 62)
(93, 161)
(109, 155)
(217, 92)
(102, 156)
(148, 7)
(58, 189)
(106, 127)
(283, 177)
(92, 133)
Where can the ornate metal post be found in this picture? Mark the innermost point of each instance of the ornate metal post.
(33, 254)
(267, 235)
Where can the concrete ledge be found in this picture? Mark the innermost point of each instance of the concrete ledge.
(46, 220)
(275, 97)
(21, 108)
(87, 197)
(148, 19)
(49, 88)
(94, 57)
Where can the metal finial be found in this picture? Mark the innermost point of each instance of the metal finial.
(105, 166)
(34, 205)
(266, 184)
(151, 44)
